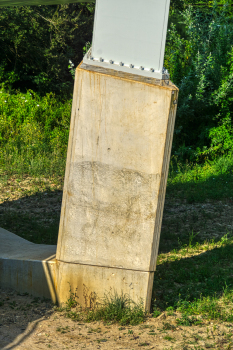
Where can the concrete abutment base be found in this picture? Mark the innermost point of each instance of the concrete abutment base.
(115, 183)
(27, 267)
(117, 165)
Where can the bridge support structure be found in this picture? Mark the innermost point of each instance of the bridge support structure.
(121, 133)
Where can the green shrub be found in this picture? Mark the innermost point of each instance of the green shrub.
(37, 43)
(33, 133)
(201, 64)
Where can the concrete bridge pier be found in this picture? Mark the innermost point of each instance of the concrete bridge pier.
(117, 165)
(122, 123)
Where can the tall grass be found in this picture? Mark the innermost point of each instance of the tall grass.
(33, 133)
(192, 182)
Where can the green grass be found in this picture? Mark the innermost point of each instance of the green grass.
(118, 308)
(197, 280)
(33, 142)
(194, 271)
(198, 183)
(113, 308)
(34, 133)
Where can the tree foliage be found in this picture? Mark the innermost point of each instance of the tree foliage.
(37, 43)
(204, 5)
(201, 64)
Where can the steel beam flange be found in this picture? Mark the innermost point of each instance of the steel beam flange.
(120, 66)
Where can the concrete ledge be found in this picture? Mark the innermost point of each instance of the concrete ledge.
(27, 267)
(32, 268)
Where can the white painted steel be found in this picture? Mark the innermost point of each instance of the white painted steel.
(132, 32)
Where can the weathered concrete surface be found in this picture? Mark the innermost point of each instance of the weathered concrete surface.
(27, 267)
(92, 283)
(117, 166)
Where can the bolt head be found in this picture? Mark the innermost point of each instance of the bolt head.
(101, 59)
(131, 66)
(142, 68)
(121, 64)
(152, 70)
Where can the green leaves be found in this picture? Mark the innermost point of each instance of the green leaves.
(37, 43)
(200, 62)
(205, 5)
(34, 129)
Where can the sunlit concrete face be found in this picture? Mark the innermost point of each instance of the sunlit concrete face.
(117, 166)
(4, 3)
(116, 173)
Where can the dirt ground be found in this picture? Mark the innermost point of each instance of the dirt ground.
(29, 324)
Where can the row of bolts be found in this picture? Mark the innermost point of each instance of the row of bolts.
(130, 66)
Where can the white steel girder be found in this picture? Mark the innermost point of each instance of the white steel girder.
(130, 36)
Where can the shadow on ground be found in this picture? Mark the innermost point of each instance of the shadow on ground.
(208, 274)
(35, 218)
(195, 188)
(20, 316)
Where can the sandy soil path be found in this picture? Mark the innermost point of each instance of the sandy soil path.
(31, 324)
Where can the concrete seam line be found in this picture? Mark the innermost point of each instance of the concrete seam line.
(102, 266)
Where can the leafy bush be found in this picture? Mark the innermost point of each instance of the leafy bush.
(33, 133)
(201, 64)
(37, 43)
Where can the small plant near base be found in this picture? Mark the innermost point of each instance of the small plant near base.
(118, 309)
(188, 321)
(72, 300)
(167, 337)
(101, 340)
(168, 327)
(170, 311)
(63, 329)
(114, 308)
(156, 312)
